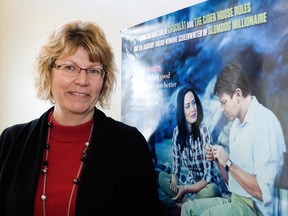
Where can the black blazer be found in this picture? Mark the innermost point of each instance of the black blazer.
(117, 179)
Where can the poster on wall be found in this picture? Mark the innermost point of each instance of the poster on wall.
(188, 49)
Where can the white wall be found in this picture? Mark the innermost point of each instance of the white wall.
(24, 23)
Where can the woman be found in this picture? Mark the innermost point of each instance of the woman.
(189, 140)
(74, 160)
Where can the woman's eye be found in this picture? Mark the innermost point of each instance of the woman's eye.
(70, 68)
(94, 71)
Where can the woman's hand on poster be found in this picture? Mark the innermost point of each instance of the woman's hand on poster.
(173, 187)
(174, 183)
(181, 192)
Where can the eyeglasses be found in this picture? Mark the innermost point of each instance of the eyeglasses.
(72, 70)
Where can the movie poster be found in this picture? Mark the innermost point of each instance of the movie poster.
(190, 47)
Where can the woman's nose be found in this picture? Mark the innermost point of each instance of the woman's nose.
(82, 78)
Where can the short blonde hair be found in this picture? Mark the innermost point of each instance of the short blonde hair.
(63, 42)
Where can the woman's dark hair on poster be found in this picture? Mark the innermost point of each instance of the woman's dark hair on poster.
(180, 117)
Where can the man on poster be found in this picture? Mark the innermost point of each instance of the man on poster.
(256, 145)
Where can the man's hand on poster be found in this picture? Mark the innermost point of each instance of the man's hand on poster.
(209, 152)
(217, 153)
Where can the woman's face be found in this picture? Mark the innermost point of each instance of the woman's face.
(79, 93)
(190, 108)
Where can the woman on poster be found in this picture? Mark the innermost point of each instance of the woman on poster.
(189, 139)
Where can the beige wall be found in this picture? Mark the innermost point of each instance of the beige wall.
(23, 23)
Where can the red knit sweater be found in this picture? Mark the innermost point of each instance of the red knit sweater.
(66, 147)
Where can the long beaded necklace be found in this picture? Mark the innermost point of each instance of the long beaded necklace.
(45, 168)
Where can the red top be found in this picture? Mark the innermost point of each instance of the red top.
(66, 146)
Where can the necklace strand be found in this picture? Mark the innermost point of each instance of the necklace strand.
(45, 168)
